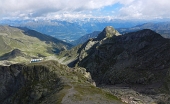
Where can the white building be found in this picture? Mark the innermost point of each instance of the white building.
(36, 60)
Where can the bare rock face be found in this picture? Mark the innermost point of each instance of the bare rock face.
(90, 46)
(26, 84)
(108, 32)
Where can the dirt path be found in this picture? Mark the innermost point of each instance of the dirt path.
(67, 98)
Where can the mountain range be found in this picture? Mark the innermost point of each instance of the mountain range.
(69, 31)
(131, 68)
(162, 28)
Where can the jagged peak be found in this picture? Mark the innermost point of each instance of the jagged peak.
(108, 32)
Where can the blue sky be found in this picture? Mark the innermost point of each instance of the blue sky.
(79, 9)
(110, 10)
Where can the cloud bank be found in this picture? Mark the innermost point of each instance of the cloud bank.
(146, 9)
(57, 9)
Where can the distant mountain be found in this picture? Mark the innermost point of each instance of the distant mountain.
(69, 31)
(84, 38)
(63, 30)
(20, 44)
(155, 26)
(162, 28)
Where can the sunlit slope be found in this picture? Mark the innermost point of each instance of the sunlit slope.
(28, 42)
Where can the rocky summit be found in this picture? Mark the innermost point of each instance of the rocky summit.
(108, 32)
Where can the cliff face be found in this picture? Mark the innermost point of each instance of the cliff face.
(27, 84)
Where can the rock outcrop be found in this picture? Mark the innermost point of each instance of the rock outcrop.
(22, 84)
(13, 54)
(108, 32)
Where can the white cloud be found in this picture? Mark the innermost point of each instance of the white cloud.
(40, 7)
(146, 9)
(131, 9)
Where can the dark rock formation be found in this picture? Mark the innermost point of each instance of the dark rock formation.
(22, 84)
(13, 54)
(140, 57)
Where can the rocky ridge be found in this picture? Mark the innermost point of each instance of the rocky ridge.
(135, 59)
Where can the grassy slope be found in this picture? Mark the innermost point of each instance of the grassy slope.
(14, 38)
(3, 46)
